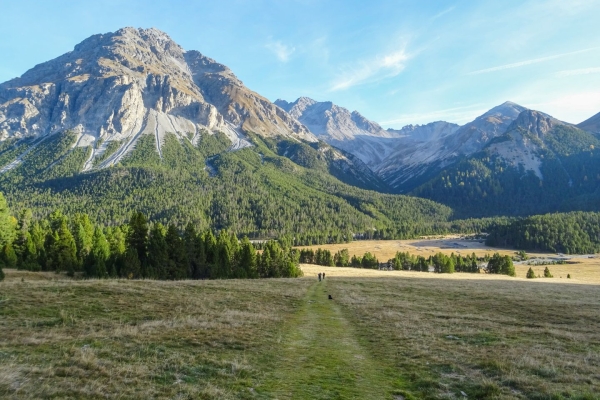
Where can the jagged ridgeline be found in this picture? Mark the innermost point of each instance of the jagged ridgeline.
(131, 121)
(539, 165)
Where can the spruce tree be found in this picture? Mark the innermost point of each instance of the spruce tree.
(7, 223)
(530, 273)
(178, 266)
(190, 243)
(63, 250)
(247, 258)
(138, 237)
(547, 273)
(131, 266)
(96, 262)
(9, 257)
(158, 262)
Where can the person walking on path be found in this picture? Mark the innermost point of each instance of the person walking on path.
(323, 275)
(319, 277)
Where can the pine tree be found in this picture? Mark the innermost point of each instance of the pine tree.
(63, 251)
(131, 266)
(9, 257)
(190, 242)
(7, 223)
(248, 263)
(530, 273)
(83, 232)
(547, 273)
(138, 237)
(178, 265)
(158, 262)
(99, 255)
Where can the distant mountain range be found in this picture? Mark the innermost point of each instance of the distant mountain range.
(122, 99)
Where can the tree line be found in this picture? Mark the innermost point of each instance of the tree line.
(569, 233)
(136, 250)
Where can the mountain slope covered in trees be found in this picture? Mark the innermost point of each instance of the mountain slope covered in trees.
(539, 165)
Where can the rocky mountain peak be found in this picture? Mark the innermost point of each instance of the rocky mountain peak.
(535, 122)
(120, 85)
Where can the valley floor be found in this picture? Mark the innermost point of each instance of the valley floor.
(582, 268)
(384, 335)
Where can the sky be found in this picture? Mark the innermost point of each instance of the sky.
(396, 62)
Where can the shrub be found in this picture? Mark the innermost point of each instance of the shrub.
(530, 274)
(547, 273)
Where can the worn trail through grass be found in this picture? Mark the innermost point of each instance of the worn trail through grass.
(321, 358)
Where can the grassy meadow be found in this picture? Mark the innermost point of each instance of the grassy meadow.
(385, 335)
(581, 268)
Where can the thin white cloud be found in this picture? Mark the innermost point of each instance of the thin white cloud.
(442, 13)
(571, 107)
(376, 69)
(281, 50)
(580, 71)
(529, 62)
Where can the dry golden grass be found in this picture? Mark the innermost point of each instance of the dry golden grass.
(583, 269)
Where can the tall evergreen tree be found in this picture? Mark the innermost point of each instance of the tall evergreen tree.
(178, 265)
(63, 250)
(131, 266)
(158, 262)
(248, 262)
(95, 265)
(8, 256)
(138, 237)
(7, 223)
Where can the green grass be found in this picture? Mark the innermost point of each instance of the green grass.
(379, 338)
(319, 357)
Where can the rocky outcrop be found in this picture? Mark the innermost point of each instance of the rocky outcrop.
(425, 133)
(349, 131)
(410, 165)
(118, 86)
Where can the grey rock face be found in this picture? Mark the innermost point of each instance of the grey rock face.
(407, 166)
(349, 131)
(121, 85)
(591, 125)
(424, 133)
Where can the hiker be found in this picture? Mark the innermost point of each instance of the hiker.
(323, 275)
(319, 277)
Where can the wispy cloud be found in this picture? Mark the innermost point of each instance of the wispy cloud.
(442, 13)
(376, 69)
(281, 50)
(529, 62)
(580, 71)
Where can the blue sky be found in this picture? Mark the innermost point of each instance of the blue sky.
(396, 62)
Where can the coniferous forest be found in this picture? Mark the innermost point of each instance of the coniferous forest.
(189, 212)
(136, 250)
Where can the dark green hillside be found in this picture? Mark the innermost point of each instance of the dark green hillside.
(570, 233)
(486, 184)
(255, 191)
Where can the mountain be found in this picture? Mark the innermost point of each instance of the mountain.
(424, 133)
(540, 164)
(119, 86)
(591, 125)
(339, 127)
(409, 166)
(131, 121)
